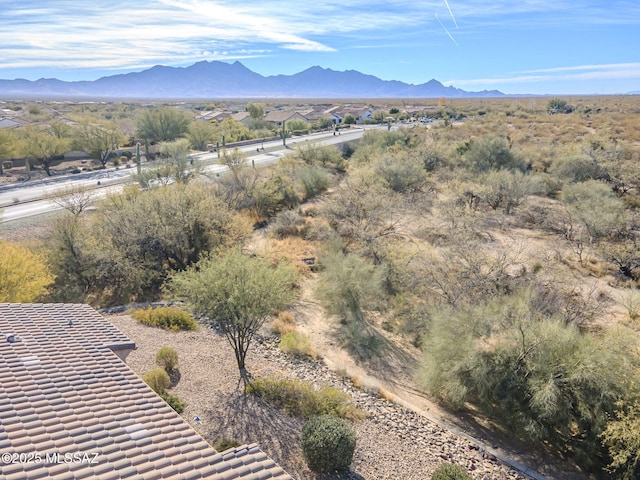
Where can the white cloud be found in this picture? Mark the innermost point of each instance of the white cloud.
(122, 34)
(620, 71)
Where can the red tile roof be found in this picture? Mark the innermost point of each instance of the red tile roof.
(70, 408)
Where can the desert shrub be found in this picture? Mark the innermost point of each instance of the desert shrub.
(136, 239)
(286, 223)
(622, 438)
(273, 195)
(324, 156)
(576, 168)
(173, 401)
(314, 180)
(348, 285)
(300, 399)
(24, 275)
(167, 358)
(450, 471)
(492, 153)
(284, 323)
(593, 204)
(225, 444)
(297, 343)
(507, 190)
(157, 379)
(328, 444)
(167, 318)
(385, 139)
(400, 172)
(557, 105)
(538, 375)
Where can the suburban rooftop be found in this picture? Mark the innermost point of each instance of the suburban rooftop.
(70, 408)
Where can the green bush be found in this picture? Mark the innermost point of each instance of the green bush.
(401, 172)
(296, 343)
(167, 358)
(328, 444)
(286, 223)
(349, 285)
(300, 399)
(622, 438)
(450, 471)
(492, 153)
(167, 318)
(158, 380)
(314, 180)
(543, 378)
(173, 401)
(225, 444)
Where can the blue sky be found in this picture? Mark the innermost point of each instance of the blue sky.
(515, 46)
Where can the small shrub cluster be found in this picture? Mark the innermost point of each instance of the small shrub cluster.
(173, 401)
(225, 444)
(286, 223)
(158, 380)
(284, 323)
(300, 399)
(297, 343)
(328, 444)
(167, 359)
(167, 318)
(450, 471)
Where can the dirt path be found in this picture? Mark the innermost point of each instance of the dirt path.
(391, 375)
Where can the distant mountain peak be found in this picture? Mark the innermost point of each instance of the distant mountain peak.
(216, 79)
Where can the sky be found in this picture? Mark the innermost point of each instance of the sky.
(515, 46)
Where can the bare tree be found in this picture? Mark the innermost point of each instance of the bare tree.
(74, 199)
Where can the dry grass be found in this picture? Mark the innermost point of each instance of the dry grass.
(293, 250)
(283, 323)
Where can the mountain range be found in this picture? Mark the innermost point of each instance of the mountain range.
(216, 79)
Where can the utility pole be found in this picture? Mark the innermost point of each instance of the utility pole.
(284, 134)
(138, 166)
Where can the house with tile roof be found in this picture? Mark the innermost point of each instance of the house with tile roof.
(70, 408)
(278, 116)
(361, 114)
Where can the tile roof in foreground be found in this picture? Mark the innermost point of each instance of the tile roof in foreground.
(70, 408)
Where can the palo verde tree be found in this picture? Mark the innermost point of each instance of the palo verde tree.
(174, 165)
(492, 153)
(163, 125)
(24, 276)
(255, 110)
(238, 292)
(200, 135)
(7, 143)
(43, 145)
(99, 141)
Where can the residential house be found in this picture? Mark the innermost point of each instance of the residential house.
(242, 117)
(361, 114)
(278, 116)
(71, 409)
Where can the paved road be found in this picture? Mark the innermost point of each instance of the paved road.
(32, 198)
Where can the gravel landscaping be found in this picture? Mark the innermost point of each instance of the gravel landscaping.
(392, 442)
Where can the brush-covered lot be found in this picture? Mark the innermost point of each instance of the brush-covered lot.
(485, 263)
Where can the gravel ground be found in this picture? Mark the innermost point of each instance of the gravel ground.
(392, 442)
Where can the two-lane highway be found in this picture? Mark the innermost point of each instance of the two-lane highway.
(34, 197)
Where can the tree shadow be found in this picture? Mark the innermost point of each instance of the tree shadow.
(349, 475)
(174, 377)
(249, 419)
(373, 350)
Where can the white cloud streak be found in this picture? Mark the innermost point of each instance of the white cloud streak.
(451, 13)
(620, 71)
(119, 34)
(447, 31)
